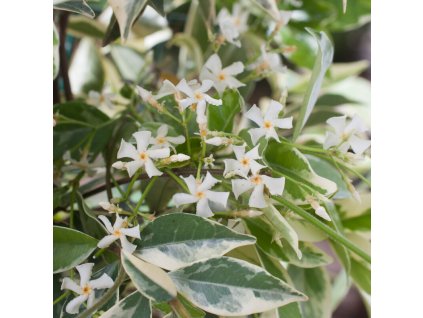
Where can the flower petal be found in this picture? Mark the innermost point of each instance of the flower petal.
(106, 241)
(145, 94)
(73, 306)
(178, 140)
(127, 150)
(218, 197)
(257, 197)
(68, 283)
(91, 300)
(84, 271)
(275, 185)
(231, 165)
(213, 101)
(215, 141)
(143, 139)
(191, 183)
(320, 211)
(337, 123)
(168, 88)
(239, 152)
(162, 131)
(234, 68)
(255, 166)
(359, 145)
(126, 245)
(356, 124)
(151, 169)
(158, 153)
(232, 82)
(118, 222)
(184, 198)
(239, 186)
(203, 208)
(132, 231)
(273, 110)
(106, 223)
(133, 166)
(104, 281)
(254, 114)
(185, 88)
(214, 64)
(331, 140)
(284, 123)
(208, 182)
(184, 103)
(271, 133)
(253, 153)
(256, 134)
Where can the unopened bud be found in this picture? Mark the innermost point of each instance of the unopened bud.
(119, 165)
(248, 213)
(219, 141)
(209, 161)
(180, 157)
(318, 209)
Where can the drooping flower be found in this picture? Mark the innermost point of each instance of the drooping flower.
(267, 62)
(318, 209)
(201, 194)
(162, 140)
(221, 77)
(141, 155)
(233, 25)
(268, 122)
(86, 287)
(219, 141)
(244, 162)
(120, 231)
(346, 136)
(197, 98)
(148, 97)
(110, 207)
(257, 182)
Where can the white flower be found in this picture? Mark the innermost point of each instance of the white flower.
(222, 78)
(209, 161)
(267, 62)
(198, 98)
(162, 140)
(244, 162)
(281, 18)
(268, 122)
(257, 183)
(86, 287)
(104, 98)
(119, 230)
(148, 97)
(141, 155)
(112, 208)
(346, 135)
(180, 157)
(232, 26)
(219, 141)
(200, 193)
(318, 209)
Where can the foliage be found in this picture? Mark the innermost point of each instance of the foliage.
(181, 196)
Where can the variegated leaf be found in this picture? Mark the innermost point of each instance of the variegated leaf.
(56, 56)
(175, 240)
(133, 306)
(150, 280)
(77, 6)
(230, 287)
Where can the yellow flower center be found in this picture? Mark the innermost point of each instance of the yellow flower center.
(245, 162)
(161, 140)
(198, 96)
(267, 124)
(143, 156)
(194, 107)
(200, 195)
(203, 132)
(263, 66)
(256, 180)
(86, 290)
(222, 76)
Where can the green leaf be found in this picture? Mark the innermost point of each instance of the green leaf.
(357, 14)
(315, 283)
(291, 163)
(334, 100)
(323, 61)
(306, 231)
(86, 71)
(230, 287)
(158, 6)
(221, 118)
(133, 306)
(361, 275)
(359, 223)
(274, 267)
(128, 61)
(81, 27)
(150, 280)
(56, 56)
(70, 248)
(126, 12)
(112, 31)
(77, 6)
(175, 240)
(189, 43)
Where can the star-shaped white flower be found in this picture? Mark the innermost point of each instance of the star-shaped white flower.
(267, 62)
(162, 140)
(140, 155)
(120, 231)
(233, 25)
(268, 122)
(200, 193)
(257, 182)
(244, 162)
(221, 77)
(86, 287)
(198, 98)
(102, 99)
(346, 135)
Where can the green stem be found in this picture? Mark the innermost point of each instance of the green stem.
(144, 194)
(61, 297)
(188, 140)
(105, 298)
(131, 184)
(200, 160)
(179, 309)
(328, 230)
(177, 179)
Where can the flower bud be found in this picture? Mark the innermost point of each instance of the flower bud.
(119, 165)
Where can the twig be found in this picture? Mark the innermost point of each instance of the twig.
(63, 23)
